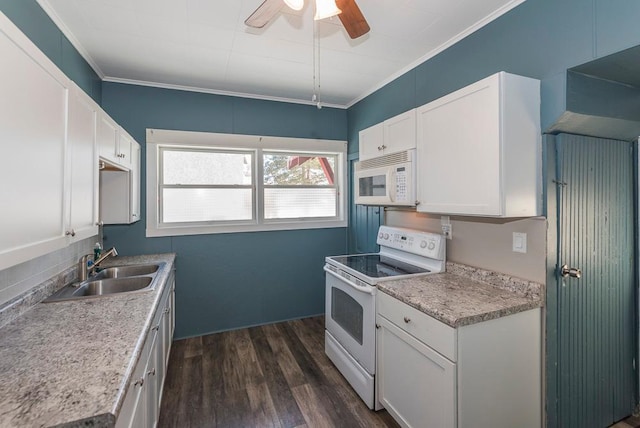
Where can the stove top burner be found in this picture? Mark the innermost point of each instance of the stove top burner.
(378, 266)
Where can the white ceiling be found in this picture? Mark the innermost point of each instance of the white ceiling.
(204, 45)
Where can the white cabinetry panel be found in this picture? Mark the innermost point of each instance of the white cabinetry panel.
(416, 384)
(33, 110)
(82, 158)
(141, 407)
(107, 135)
(391, 136)
(479, 149)
(422, 387)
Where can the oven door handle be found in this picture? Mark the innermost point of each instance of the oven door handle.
(368, 290)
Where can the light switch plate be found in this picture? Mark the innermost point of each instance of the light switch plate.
(519, 242)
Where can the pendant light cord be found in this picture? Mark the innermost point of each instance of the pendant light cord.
(316, 65)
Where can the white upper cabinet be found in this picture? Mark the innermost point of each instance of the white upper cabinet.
(120, 190)
(33, 111)
(107, 135)
(391, 136)
(479, 149)
(82, 166)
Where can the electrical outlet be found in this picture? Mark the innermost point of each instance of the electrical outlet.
(445, 223)
(446, 230)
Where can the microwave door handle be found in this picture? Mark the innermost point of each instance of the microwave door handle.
(392, 185)
(368, 290)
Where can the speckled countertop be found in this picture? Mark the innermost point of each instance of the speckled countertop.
(466, 295)
(68, 363)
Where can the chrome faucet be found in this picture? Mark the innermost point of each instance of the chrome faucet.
(84, 271)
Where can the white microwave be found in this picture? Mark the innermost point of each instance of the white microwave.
(386, 180)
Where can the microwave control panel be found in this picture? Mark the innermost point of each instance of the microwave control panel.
(401, 184)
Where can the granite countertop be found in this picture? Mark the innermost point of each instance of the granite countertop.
(69, 363)
(458, 298)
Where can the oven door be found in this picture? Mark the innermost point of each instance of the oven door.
(350, 316)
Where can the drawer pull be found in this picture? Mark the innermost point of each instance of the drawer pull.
(155, 328)
(151, 372)
(407, 319)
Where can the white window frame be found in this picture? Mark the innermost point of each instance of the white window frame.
(157, 138)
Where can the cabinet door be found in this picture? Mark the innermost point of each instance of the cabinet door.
(415, 384)
(459, 152)
(152, 385)
(125, 145)
(33, 109)
(371, 142)
(82, 158)
(107, 136)
(400, 132)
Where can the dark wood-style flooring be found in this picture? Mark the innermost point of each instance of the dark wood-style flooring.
(269, 376)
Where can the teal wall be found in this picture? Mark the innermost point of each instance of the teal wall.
(36, 24)
(539, 38)
(227, 281)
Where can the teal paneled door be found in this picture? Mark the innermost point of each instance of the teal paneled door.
(595, 280)
(364, 222)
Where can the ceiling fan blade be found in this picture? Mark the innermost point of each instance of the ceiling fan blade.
(352, 18)
(264, 13)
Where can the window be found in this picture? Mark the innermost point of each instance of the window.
(217, 183)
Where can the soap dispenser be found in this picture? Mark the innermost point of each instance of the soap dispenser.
(97, 250)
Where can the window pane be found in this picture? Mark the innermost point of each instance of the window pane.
(199, 167)
(289, 169)
(299, 203)
(185, 205)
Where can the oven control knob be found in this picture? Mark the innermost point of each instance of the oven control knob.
(380, 235)
(432, 245)
(386, 236)
(423, 244)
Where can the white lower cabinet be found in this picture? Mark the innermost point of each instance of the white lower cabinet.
(484, 375)
(415, 383)
(141, 407)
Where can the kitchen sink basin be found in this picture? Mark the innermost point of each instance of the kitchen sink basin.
(126, 271)
(112, 285)
(110, 281)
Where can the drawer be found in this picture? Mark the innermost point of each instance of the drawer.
(426, 329)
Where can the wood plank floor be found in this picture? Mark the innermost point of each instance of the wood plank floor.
(270, 376)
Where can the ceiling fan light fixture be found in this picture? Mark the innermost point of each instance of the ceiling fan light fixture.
(326, 9)
(295, 4)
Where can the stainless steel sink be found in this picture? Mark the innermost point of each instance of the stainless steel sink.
(111, 281)
(112, 285)
(126, 271)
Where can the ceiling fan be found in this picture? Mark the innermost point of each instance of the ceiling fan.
(347, 10)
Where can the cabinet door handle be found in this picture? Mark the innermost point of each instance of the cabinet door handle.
(139, 382)
(155, 328)
(407, 320)
(166, 311)
(384, 147)
(152, 372)
(70, 232)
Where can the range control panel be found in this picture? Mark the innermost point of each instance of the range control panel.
(412, 241)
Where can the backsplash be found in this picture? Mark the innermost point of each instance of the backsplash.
(486, 242)
(19, 279)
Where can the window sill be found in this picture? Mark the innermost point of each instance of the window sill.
(241, 228)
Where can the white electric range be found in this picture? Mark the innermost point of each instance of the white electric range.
(350, 300)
